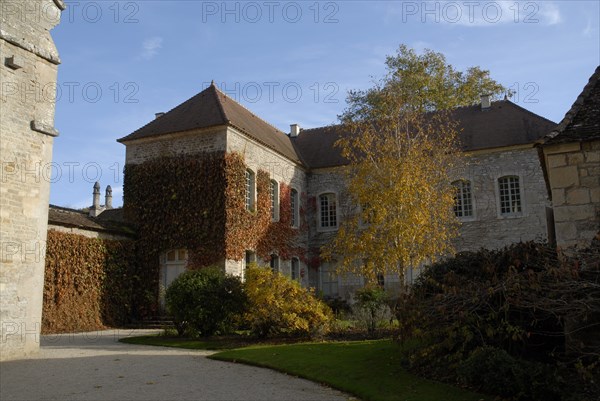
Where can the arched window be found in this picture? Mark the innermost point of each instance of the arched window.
(328, 211)
(509, 191)
(463, 199)
(250, 189)
(274, 200)
(295, 205)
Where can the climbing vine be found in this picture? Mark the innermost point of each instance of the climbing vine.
(89, 283)
(198, 202)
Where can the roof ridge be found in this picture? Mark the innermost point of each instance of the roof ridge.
(170, 110)
(245, 108)
(66, 209)
(457, 108)
(576, 106)
(527, 111)
(331, 126)
(221, 108)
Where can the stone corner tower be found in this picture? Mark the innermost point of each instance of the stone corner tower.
(28, 71)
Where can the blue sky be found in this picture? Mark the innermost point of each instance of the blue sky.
(289, 62)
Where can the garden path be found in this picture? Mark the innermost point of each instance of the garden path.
(96, 366)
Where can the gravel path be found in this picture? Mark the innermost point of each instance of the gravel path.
(95, 366)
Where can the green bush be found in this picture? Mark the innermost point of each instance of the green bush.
(523, 300)
(494, 371)
(205, 301)
(491, 370)
(280, 306)
(371, 307)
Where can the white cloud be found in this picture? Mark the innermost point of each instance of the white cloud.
(150, 47)
(588, 30)
(550, 14)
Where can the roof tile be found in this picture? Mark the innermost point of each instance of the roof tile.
(210, 108)
(582, 121)
(503, 124)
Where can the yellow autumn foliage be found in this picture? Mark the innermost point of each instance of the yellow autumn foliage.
(280, 306)
(402, 146)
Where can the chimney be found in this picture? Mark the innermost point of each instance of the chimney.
(96, 202)
(159, 114)
(294, 130)
(96, 209)
(108, 198)
(486, 102)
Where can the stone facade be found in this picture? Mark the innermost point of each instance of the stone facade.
(196, 141)
(574, 178)
(571, 156)
(28, 75)
(488, 228)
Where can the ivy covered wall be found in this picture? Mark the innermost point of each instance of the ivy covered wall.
(89, 283)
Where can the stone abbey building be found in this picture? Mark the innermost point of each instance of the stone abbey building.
(296, 180)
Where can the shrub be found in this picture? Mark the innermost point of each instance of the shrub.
(340, 307)
(280, 306)
(371, 307)
(494, 371)
(491, 370)
(206, 301)
(524, 300)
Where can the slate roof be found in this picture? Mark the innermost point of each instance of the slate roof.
(503, 124)
(211, 108)
(110, 221)
(582, 121)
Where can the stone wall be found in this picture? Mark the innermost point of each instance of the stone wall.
(574, 178)
(28, 76)
(488, 228)
(205, 140)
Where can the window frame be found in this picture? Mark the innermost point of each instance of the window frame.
(295, 206)
(274, 194)
(250, 189)
(380, 277)
(274, 263)
(328, 268)
(520, 194)
(249, 257)
(296, 276)
(471, 198)
(334, 204)
(365, 215)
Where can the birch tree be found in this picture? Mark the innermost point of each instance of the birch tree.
(402, 144)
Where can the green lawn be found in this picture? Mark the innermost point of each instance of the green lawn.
(368, 369)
